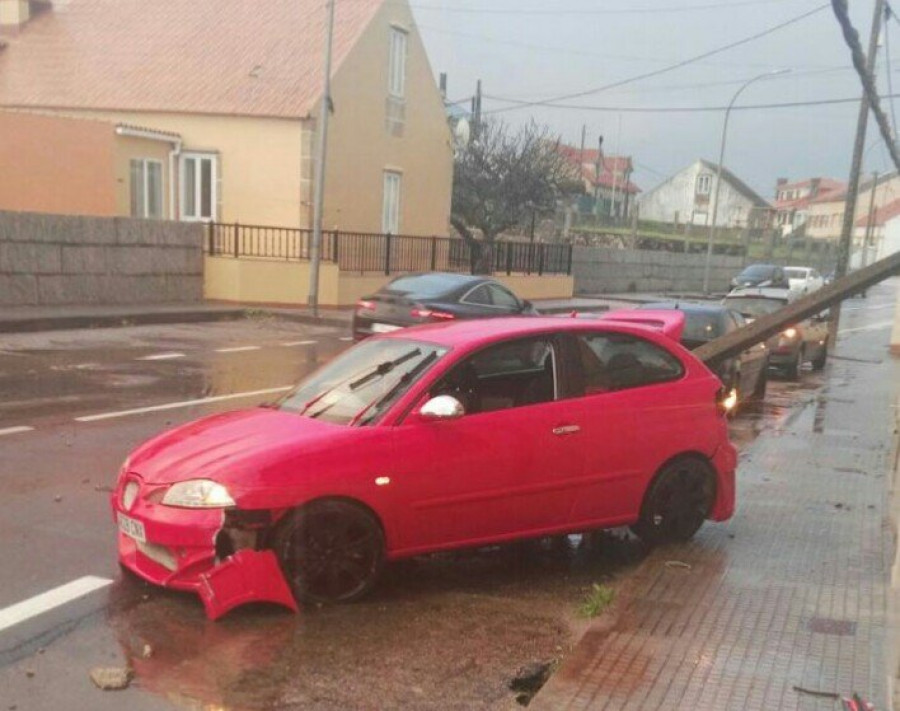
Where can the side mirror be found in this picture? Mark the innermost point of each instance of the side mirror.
(442, 407)
(527, 307)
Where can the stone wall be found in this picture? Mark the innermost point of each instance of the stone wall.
(601, 270)
(48, 260)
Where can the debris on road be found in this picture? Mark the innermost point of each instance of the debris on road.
(111, 678)
(678, 564)
(814, 692)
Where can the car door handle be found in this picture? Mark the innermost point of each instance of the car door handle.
(566, 430)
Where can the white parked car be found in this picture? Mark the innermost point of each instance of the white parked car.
(804, 280)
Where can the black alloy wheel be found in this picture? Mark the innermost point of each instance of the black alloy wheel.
(331, 551)
(677, 502)
(792, 371)
(820, 360)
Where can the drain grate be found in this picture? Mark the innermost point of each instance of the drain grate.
(827, 625)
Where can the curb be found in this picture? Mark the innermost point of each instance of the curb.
(86, 321)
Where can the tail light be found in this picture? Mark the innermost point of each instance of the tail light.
(363, 305)
(431, 313)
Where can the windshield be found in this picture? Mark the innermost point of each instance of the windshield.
(795, 273)
(701, 326)
(758, 270)
(754, 306)
(360, 385)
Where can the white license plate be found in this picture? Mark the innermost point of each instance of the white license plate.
(384, 328)
(133, 529)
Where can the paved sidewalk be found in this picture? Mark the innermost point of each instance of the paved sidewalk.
(791, 593)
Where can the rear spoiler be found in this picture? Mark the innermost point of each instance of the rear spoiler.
(669, 321)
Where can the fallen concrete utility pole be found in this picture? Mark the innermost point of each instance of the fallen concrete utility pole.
(809, 305)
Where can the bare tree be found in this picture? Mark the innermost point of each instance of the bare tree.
(501, 179)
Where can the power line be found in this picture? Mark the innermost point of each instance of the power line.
(705, 109)
(664, 70)
(595, 11)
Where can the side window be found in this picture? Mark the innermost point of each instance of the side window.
(501, 297)
(480, 296)
(738, 319)
(615, 361)
(509, 375)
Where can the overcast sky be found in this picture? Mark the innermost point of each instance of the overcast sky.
(525, 49)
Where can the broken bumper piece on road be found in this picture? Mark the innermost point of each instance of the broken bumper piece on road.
(175, 549)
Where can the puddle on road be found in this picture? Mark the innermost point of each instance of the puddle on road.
(443, 631)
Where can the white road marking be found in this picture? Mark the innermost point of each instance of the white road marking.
(15, 430)
(34, 606)
(184, 403)
(291, 344)
(871, 327)
(238, 349)
(162, 356)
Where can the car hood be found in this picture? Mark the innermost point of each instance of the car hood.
(231, 448)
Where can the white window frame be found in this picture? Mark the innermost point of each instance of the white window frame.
(392, 194)
(197, 157)
(144, 206)
(398, 43)
(704, 183)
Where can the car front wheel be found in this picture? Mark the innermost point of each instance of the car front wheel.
(677, 502)
(793, 370)
(331, 551)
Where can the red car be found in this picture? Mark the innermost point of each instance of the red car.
(441, 436)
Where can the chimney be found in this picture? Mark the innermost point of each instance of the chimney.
(443, 85)
(14, 14)
(814, 186)
(780, 182)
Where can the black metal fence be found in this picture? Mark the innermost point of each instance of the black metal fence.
(385, 253)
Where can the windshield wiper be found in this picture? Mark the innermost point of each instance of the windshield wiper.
(389, 395)
(384, 368)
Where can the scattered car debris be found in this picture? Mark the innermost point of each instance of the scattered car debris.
(814, 692)
(678, 564)
(57, 498)
(111, 678)
(146, 652)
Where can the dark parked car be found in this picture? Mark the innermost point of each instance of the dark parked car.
(761, 275)
(746, 374)
(415, 299)
(790, 349)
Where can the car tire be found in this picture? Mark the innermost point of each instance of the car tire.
(792, 371)
(762, 382)
(331, 551)
(820, 359)
(677, 502)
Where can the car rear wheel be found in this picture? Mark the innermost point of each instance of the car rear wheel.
(793, 370)
(331, 551)
(677, 502)
(820, 359)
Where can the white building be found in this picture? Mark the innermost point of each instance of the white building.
(687, 197)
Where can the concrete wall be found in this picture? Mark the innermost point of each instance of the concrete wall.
(275, 281)
(64, 260)
(58, 165)
(600, 270)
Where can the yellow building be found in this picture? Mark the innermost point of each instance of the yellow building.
(222, 96)
(825, 215)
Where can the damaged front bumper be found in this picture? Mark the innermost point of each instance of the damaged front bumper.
(194, 550)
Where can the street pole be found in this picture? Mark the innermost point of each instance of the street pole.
(715, 204)
(862, 121)
(315, 252)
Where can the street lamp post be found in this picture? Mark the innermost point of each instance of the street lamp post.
(715, 205)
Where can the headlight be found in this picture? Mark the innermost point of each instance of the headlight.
(198, 494)
(789, 333)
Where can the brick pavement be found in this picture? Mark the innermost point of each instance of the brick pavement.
(791, 592)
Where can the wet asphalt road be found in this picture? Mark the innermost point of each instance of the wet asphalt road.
(410, 645)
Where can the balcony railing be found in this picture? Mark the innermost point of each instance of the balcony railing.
(384, 253)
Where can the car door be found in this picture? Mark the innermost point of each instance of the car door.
(639, 413)
(507, 467)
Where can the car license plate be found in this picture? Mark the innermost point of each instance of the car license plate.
(384, 328)
(131, 528)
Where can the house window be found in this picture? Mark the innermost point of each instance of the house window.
(146, 189)
(397, 63)
(199, 172)
(390, 217)
(704, 182)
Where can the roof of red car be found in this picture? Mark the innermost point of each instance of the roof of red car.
(468, 332)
